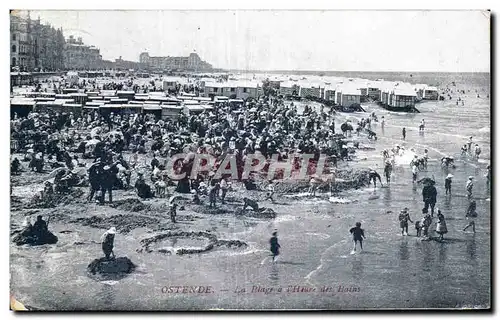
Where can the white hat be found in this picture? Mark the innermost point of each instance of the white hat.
(449, 175)
(471, 177)
(112, 230)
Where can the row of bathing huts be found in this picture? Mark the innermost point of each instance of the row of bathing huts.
(106, 102)
(346, 93)
(398, 96)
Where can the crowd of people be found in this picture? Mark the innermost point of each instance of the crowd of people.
(104, 149)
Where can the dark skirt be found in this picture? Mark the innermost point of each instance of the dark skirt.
(107, 248)
(275, 250)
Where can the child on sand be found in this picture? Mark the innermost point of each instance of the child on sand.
(426, 223)
(414, 171)
(418, 227)
(275, 246)
(270, 191)
(404, 217)
(470, 216)
(441, 225)
(469, 186)
(447, 183)
(358, 234)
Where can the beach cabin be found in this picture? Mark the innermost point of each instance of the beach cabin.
(308, 90)
(236, 103)
(80, 98)
(117, 101)
(20, 78)
(131, 109)
(129, 95)
(141, 96)
(346, 96)
(72, 78)
(220, 99)
(97, 98)
(106, 109)
(400, 96)
(419, 90)
(75, 108)
(203, 100)
(247, 90)
(64, 96)
(229, 90)
(329, 93)
(70, 90)
(289, 89)
(156, 110)
(275, 83)
(40, 99)
(108, 93)
(94, 104)
(92, 93)
(170, 112)
(48, 106)
(21, 106)
(430, 93)
(213, 89)
(373, 90)
(169, 84)
(90, 108)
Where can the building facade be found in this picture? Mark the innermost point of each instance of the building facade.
(79, 56)
(35, 46)
(191, 63)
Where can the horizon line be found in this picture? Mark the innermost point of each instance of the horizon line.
(352, 71)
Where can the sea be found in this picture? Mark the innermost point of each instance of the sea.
(315, 268)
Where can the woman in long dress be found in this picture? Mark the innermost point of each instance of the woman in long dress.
(441, 225)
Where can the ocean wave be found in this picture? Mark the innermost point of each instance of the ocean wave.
(285, 218)
(339, 200)
(322, 236)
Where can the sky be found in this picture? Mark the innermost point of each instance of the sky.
(447, 41)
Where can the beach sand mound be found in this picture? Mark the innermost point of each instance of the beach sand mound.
(211, 242)
(217, 210)
(232, 243)
(123, 222)
(346, 179)
(27, 237)
(266, 213)
(16, 203)
(73, 196)
(133, 205)
(113, 269)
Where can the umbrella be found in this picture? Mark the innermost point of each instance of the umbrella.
(174, 198)
(54, 173)
(92, 142)
(346, 127)
(427, 180)
(80, 171)
(114, 133)
(94, 132)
